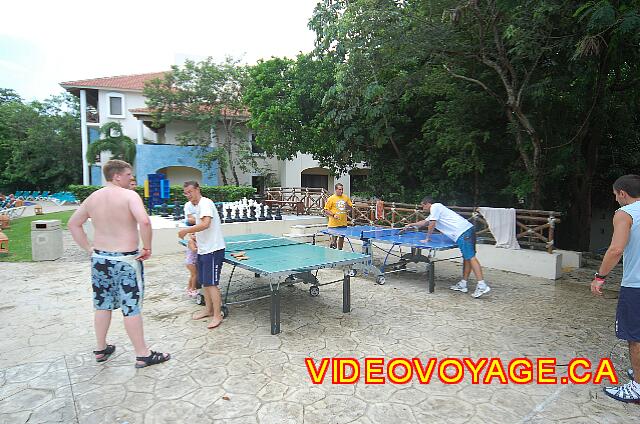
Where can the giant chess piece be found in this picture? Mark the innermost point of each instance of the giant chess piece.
(252, 213)
(220, 210)
(245, 218)
(163, 211)
(278, 216)
(261, 216)
(229, 218)
(177, 211)
(237, 218)
(269, 216)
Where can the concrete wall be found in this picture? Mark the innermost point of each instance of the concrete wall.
(291, 173)
(601, 228)
(177, 175)
(165, 231)
(522, 261)
(174, 129)
(132, 100)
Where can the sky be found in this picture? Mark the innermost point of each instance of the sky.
(44, 43)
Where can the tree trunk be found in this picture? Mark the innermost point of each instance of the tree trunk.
(576, 228)
(588, 144)
(223, 174)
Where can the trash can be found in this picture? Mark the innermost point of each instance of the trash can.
(46, 239)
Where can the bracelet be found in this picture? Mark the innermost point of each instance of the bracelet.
(599, 280)
(601, 277)
(144, 248)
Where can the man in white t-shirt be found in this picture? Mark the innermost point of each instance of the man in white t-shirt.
(462, 232)
(210, 251)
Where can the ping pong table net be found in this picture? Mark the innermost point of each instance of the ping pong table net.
(386, 233)
(261, 243)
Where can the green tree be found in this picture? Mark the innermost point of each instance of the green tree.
(209, 95)
(285, 98)
(41, 141)
(113, 140)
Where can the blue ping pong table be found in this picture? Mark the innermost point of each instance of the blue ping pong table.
(281, 260)
(420, 250)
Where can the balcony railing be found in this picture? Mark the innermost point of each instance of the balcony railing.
(93, 117)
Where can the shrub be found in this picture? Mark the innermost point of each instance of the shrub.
(215, 193)
(82, 192)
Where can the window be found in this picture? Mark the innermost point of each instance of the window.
(255, 149)
(116, 105)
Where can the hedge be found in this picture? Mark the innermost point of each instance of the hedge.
(215, 193)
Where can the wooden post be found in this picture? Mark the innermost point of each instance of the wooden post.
(552, 225)
(393, 214)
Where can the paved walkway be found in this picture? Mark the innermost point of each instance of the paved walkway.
(239, 373)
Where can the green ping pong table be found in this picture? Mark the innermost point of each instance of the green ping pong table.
(282, 260)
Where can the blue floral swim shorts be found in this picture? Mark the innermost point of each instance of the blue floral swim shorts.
(117, 283)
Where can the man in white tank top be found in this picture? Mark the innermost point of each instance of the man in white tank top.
(625, 240)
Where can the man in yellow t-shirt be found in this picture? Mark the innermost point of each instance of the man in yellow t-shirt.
(337, 209)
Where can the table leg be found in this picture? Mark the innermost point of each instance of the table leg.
(432, 276)
(346, 293)
(275, 309)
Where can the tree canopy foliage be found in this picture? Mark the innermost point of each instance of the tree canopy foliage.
(39, 143)
(114, 141)
(499, 102)
(209, 95)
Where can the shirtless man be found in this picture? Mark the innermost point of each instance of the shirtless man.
(116, 263)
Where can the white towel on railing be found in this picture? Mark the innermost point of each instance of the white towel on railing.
(502, 224)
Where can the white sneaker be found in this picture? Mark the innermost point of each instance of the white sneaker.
(625, 393)
(459, 287)
(480, 291)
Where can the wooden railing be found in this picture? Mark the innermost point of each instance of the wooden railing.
(534, 228)
(313, 199)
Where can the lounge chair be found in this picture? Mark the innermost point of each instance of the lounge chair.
(15, 212)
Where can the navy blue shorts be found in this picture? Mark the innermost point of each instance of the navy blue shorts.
(209, 267)
(467, 243)
(628, 314)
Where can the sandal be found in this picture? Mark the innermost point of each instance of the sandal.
(106, 352)
(153, 359)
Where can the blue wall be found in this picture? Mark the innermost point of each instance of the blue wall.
(151, 157)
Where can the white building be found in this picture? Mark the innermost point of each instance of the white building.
(120, 99)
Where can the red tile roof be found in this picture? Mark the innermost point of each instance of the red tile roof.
(123, 82)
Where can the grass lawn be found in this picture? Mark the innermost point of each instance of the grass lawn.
(20, 235)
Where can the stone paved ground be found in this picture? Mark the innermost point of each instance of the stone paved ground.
(239, 373)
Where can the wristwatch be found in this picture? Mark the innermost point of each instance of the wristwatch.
(599, 277)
